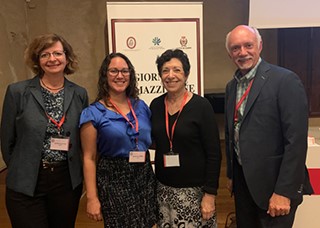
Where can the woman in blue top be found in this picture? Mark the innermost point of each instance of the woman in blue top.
(115, 137)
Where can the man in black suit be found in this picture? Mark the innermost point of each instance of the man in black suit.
(266, 136)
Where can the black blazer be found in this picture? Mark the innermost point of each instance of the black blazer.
(23, 127)
(273, 135)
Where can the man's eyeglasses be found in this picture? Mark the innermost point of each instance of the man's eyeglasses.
(56, 54)
(114, 72)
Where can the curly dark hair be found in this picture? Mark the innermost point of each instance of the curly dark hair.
(42, 42)
(174, 53)
(103, 87)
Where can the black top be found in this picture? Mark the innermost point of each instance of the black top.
(196, 139)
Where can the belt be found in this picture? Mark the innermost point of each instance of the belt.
(53, 165)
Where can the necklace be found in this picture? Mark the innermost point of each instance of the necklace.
(50, 87)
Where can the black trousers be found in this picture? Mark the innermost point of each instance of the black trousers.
(54, 205)
(248, 214)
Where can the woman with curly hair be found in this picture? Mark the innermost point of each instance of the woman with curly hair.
(115, 136)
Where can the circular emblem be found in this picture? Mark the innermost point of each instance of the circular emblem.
(131, 42)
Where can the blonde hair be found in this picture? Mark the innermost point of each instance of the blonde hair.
(42, 42)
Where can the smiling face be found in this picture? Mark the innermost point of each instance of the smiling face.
(53, 60)
(244, 48)
(118, 76)
(173, 76)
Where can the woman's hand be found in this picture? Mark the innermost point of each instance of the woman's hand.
(208, 206)
(94, 209)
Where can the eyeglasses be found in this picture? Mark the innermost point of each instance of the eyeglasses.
(114, 72)
(56, 54)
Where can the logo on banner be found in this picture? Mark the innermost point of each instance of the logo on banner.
(156, 43)
(184, 42)
(131, 42)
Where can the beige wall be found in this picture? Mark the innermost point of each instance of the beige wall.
(82, 23)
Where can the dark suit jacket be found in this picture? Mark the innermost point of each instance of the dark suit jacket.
(273, 135)
(23, 127)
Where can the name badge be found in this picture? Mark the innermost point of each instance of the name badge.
(137, 157)
(60, 143)
(171, 160)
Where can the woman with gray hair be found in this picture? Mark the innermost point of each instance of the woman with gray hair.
(188, 157)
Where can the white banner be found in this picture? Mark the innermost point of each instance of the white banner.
(284, 13)
(144, 30)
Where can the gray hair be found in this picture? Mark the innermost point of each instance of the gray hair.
(256, 32)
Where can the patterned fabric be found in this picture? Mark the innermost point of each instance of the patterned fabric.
(118, 181)
(53, 103)
(242, 85)
(179, 208)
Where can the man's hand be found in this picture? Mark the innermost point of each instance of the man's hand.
(278, 205)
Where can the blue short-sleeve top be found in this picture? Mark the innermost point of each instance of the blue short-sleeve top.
(115, 136)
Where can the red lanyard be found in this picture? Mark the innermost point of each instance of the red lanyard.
(126, 118)
(175, 122)
(241, 101)
(58, 124)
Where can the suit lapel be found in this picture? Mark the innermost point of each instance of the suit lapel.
(231, 103)
(36, 91)
(68, 94)
(259, 80)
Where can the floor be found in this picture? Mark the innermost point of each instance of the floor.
(224, 203)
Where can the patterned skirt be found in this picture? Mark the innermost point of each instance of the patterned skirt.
(180, 208)
(127, 193)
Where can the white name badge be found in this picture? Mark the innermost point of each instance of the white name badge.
(59, 143)
(137, 157)
(171, 160)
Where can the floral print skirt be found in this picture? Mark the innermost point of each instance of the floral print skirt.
(180, 208)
